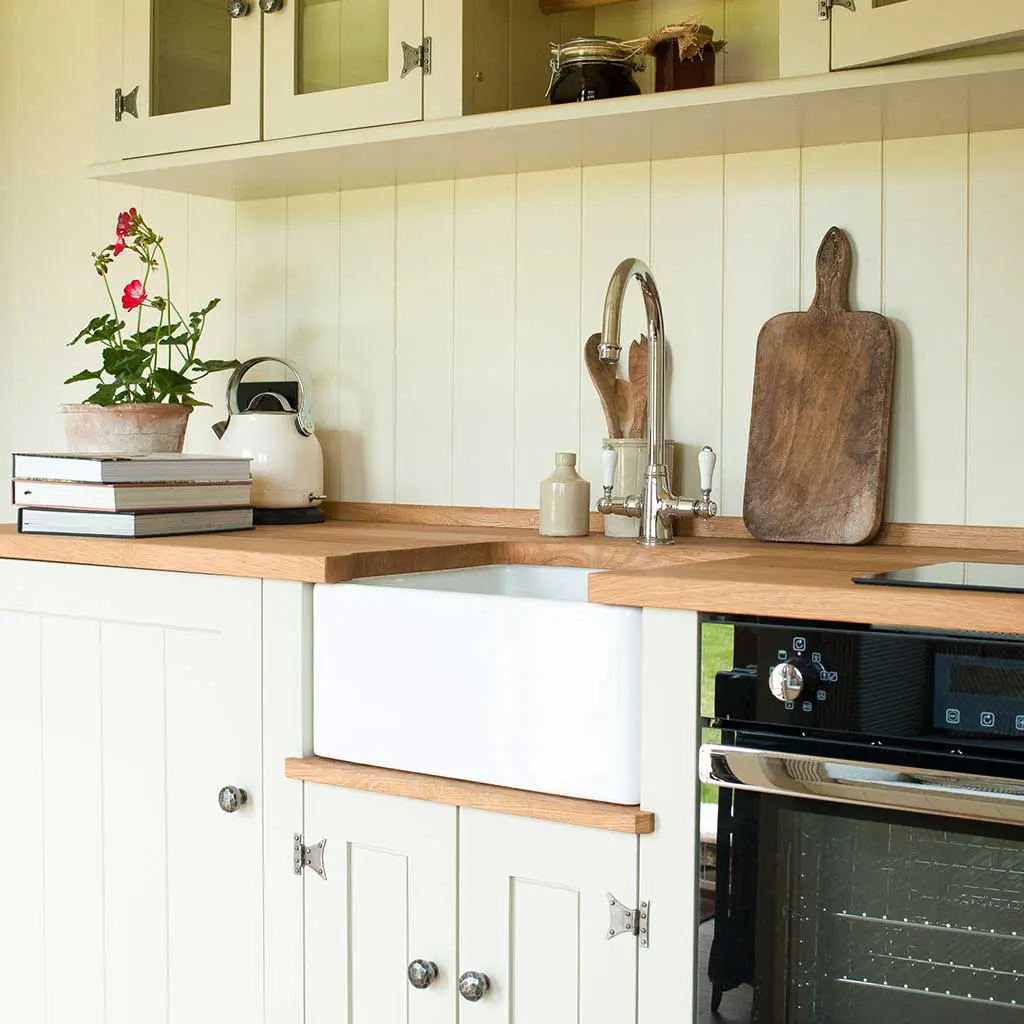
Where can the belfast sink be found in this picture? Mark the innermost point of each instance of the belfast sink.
(501, 674)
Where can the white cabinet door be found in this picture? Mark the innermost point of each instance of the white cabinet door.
(533, 917)
(880, 31)
(336, 64)
(388, 899)
(197, 70)
(127, 700)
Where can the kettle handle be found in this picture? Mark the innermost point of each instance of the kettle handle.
(303, 417)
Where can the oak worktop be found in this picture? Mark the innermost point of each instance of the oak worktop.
(712, 573)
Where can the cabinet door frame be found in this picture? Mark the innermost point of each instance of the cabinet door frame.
(288, 113)
(129, 734)
(346, 921)
(128, 26)
(518, 872)
(913, 28)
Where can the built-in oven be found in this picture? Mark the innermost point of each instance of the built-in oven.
(867, 862)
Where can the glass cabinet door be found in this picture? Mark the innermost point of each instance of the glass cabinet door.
(337, 64)
(882, 31)
(196, 67)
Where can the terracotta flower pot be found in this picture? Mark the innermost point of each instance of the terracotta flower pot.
(130, 429)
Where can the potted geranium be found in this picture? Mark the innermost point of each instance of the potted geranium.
(144, 385)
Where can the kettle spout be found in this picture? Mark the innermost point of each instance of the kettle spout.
(219, 428)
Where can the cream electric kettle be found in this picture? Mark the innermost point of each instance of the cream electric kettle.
(287, 460)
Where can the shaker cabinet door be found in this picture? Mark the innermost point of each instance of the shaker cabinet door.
(387, 899)
(533, 917)
(127, 700)
(882, 31)
(196, 69)
(336, 64)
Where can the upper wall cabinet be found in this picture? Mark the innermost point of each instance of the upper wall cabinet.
(188, 78)
(195, 74)
(332, 64)
(880, 31)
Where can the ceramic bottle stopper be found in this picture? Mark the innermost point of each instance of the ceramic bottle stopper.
(565, 500)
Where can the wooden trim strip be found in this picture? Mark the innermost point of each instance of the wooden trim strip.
(932, 535)
(481, 797)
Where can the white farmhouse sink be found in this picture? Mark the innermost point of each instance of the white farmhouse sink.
(501, 674)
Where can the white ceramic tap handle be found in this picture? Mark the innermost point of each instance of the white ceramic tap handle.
(706, 460)
(609, 459)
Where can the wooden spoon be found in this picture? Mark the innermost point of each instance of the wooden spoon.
(638, 363)
(603, 376)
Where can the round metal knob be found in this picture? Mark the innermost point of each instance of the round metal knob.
(473, 986)
(231, 798)
(422, 973)
(239, 8)
(271, 6)
(786, 681)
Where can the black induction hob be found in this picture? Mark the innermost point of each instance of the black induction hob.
(997, 576)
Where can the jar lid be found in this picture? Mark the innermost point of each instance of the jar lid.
(596, 49)
(565, 458)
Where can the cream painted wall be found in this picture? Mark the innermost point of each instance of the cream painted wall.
(443, 324)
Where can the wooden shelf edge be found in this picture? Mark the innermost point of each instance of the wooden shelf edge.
(477, 795)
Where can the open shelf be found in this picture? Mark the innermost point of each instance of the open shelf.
(894, 102)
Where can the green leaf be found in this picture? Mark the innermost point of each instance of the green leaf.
(215, 365)
(103, 395)
(208, 308)
(94, 325)
(169, 382)
(119, 362)
(84, 375)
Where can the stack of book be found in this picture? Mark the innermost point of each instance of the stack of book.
(131, 496)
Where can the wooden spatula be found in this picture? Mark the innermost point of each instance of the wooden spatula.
(638, 356)
(603, 376)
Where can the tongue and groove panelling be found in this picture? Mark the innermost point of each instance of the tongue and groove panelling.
(484, 292)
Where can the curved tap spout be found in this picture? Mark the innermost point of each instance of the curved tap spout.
(610, 347)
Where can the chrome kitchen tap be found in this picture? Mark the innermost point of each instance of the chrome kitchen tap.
(657, 505)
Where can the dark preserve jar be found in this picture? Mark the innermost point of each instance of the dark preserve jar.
(593, 69)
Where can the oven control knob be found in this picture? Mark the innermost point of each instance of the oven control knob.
(785, 681)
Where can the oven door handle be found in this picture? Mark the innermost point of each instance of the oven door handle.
(900, 787)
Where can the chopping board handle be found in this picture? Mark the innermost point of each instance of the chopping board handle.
(834, 264)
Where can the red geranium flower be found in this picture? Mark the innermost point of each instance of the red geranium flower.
(124, 222)
(134, 295)
(119, 246)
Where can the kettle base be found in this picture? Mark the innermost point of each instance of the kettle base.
(287, 516)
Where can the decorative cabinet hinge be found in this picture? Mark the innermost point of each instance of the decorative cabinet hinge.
(126, 103)
(308, 856)
(623, 921)
(417, 56)
(825, 7)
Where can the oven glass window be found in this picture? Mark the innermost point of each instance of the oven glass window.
(847, 916)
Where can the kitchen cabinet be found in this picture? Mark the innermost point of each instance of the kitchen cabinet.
(881, 31)
(523, 902)
(534, 917)
(188, 75)
(129, 699)
(387, 898)
(195, 74)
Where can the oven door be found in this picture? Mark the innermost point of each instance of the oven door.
(856, 893)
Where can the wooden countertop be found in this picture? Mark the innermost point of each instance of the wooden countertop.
(720, 571)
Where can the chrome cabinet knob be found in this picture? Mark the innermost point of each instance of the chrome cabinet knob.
(422, 973)
(231, 798)
(473, 986)
(239, 8)
(271, 6)
(786, 681)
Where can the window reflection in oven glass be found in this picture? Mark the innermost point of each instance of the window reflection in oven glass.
(859, 918)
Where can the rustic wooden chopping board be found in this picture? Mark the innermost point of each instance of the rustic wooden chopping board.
(819, 421)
